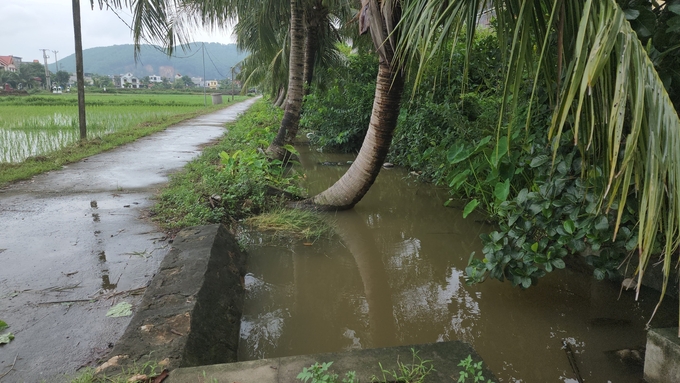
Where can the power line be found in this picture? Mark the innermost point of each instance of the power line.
(215, 66)
(144, 38)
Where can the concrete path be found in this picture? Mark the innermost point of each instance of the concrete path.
(74, 243)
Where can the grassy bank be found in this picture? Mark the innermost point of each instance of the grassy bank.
(233, 180)
(40, 133)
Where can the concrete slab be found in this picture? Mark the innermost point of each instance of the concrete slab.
(444, 356)
(662, 356)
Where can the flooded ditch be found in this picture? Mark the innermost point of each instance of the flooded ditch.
(394, 275)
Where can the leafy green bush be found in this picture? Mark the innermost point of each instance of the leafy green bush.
(318, 373)
(338, 115)
(444, 110)
(556, 215)
(472, 372)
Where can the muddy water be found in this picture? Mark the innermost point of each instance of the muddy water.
(394, 275)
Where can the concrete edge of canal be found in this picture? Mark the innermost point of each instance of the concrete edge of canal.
(444, 358)
(662, 357)
(190, 314)
(189, 322)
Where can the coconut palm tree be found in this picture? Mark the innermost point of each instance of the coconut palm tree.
(316, 33)
(380, 20)
(266, 38)
(259, 29)
(291, 115)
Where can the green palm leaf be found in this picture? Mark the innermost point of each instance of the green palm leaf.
(609, 95)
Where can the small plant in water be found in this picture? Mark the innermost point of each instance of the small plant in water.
(318, 373)
(472, 372)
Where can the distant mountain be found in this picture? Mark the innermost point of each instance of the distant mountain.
(120, 59)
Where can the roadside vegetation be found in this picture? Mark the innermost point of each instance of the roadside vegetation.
(233, 181)
(449, 133)
(40, 133)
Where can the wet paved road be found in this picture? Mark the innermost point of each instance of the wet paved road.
(74, 242)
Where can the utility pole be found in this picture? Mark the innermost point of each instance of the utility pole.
(47, 70)
(232, 84)
(205, 98)
(56, 63)
(77, 36)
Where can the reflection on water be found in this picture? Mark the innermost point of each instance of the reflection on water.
(394, 275)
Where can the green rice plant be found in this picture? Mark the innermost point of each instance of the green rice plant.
(37, 125)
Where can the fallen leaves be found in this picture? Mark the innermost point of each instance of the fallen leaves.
(143, 378)
(123, 309)
(110, 363)
(7, 337)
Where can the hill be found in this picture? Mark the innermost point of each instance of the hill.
(119, 59)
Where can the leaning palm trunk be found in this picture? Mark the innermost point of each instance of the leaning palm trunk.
(281, 97)
(291, 116)
(354, 184)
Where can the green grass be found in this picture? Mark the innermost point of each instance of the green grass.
(40, 133)
(231, 180)
(304, 224)
(141, 371)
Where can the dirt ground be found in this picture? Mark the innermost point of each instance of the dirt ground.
(75, 242)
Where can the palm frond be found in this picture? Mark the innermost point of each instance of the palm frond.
(610, 96)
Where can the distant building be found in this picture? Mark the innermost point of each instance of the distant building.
(73, 79)
(486, 16)
(212, 84)
(154, 78)
(198, 81)
(10, 63)
(129, 81)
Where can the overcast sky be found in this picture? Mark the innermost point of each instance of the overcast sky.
(31, 25)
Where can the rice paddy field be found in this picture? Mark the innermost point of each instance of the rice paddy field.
(40, 124)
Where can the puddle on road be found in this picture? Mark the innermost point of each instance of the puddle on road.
(394, 275)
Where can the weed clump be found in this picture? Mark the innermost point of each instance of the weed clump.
(233, 180)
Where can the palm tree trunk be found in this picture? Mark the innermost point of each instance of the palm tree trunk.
(311, 46)
(354, 184)
(291, 116)
(313, 17)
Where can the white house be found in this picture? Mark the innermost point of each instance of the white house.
(198, 81)
(129, 81)
(155, 78)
